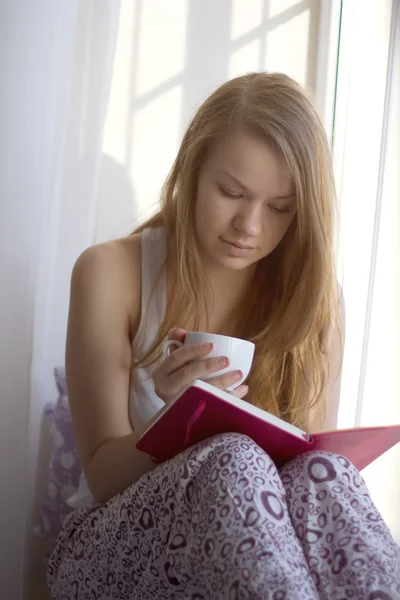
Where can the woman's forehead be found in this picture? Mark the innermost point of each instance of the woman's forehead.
(251, 161)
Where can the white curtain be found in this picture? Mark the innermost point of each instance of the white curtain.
(55, 74)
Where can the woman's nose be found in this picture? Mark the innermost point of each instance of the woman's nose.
(248, 220)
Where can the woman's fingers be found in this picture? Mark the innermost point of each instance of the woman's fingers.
(225, 381)
(184, 355)
(240, 392)
(177, 334)
(187, 363)
(198, 370)
(184, 373)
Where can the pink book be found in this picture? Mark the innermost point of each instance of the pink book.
(202, 410)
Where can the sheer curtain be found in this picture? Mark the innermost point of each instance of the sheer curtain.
(55, 74)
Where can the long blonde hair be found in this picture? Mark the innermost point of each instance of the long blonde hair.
(296, 305)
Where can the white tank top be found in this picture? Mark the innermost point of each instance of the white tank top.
(143, 401)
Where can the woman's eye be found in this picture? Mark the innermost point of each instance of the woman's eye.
(280, 211)
(229, 194)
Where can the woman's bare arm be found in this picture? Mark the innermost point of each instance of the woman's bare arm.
(104, 307)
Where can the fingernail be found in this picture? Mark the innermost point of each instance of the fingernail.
(243, 388)
(224, 362)
(207, 346)
(237, 375)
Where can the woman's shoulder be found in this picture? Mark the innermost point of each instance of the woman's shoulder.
(111, 269)
(120, 258)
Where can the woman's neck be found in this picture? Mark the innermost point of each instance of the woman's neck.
(229, 298)
(228, 282)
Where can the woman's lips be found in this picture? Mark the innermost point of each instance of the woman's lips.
(237, 249)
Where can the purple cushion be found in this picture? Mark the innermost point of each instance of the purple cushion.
(64, 467)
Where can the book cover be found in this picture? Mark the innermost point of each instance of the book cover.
(202, 411)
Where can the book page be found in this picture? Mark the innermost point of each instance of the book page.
(255, 410)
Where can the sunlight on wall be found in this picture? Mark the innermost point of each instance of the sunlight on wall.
(162, 42)
(276, 7)
(287, 47)
(119, 109)
(141, 135)
(156, 135)
(160, 76)
(245, 16)
(245, 59)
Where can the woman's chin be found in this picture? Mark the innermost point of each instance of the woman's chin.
(233, 263)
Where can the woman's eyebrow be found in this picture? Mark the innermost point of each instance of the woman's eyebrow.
(240, 184)
(289, 196)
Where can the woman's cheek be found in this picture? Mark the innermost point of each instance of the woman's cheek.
(222, 209)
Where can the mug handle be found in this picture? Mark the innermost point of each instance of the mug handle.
(167, 345)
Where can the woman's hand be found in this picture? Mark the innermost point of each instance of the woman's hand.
(188, 363)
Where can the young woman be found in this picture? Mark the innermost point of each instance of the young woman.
(243, 245)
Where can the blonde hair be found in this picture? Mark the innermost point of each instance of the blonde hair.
(296, 304)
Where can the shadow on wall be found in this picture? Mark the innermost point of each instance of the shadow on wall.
(116, 208)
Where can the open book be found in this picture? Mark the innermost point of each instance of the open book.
(202, 410)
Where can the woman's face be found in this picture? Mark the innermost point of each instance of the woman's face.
(245, 202)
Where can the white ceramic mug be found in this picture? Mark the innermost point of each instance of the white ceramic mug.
(240, 352)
